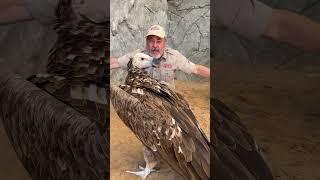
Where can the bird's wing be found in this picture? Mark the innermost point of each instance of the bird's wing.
(235, 152)
(196, 159)
(52, 140)
(167, 128)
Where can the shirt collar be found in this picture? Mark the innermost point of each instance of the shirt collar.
(164, 55)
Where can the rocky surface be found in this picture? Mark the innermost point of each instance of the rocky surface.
(186, 23)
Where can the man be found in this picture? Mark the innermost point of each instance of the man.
(252, 18)
(167, 60)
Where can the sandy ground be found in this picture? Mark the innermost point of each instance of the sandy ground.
(281, 109)
(126, 149)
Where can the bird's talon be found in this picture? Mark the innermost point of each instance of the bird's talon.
(143, 173)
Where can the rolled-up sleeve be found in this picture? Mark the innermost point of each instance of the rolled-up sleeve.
(246, 17)
(182, 63)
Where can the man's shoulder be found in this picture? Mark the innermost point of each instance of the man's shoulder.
(173, 51)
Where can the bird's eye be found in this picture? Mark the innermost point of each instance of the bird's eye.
(142, 58)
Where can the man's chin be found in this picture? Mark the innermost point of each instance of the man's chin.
(156, 56)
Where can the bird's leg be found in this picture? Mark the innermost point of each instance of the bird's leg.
(151, 162)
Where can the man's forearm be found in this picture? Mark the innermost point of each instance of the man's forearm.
(201, 71)
(294, 29)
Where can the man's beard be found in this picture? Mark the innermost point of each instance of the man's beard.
(155, 53)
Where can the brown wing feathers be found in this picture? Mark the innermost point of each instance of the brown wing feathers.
(167, 125)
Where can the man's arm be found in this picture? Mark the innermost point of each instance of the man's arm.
(201, 71)
(13, 11)
(294, 29)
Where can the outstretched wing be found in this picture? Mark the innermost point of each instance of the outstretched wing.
(52, 140)
(235, 152)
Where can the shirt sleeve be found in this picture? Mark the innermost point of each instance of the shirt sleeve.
(182, 63)
(123, 60)
(246, 17)
(42, 10)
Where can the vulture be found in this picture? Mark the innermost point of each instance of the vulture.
(234, 152)
(163, 121)
(57, 121)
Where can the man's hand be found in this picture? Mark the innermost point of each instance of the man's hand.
(114, 63)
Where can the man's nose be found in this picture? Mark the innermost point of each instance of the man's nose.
(154, 45)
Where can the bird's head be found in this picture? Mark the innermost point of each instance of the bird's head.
(141, 61)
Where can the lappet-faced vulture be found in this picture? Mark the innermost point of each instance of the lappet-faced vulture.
(163, 121)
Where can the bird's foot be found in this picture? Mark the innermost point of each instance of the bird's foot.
(143, 173)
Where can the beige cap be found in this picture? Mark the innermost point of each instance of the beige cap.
(156, 30)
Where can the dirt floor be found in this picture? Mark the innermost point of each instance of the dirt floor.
(126, 150)
(281, 109)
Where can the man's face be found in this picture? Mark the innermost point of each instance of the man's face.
(155, 46)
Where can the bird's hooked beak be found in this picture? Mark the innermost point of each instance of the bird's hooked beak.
(146, 63)
(142, 61)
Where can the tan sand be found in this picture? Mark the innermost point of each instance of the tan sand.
(126, 149)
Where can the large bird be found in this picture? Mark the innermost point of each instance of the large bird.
(163, 121)
(234, 152)
(65, 135)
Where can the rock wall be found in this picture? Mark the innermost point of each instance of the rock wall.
(231, 47)
(186, 22)
(189, 30)
(130, 21)
(24, 47)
